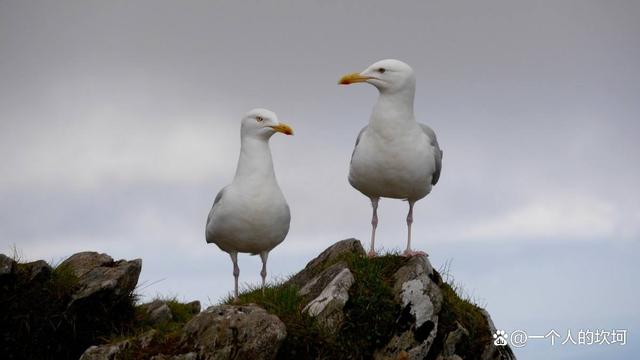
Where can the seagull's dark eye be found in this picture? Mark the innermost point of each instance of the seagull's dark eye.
(259, 118)
(382, 70)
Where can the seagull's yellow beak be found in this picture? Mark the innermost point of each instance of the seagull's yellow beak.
(283, 128)
(353, 78)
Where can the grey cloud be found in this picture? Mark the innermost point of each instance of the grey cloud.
(119, 123)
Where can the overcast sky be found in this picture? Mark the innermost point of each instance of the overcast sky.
(119, 122)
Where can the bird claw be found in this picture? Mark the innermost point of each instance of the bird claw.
(372, 254)
(412, 253)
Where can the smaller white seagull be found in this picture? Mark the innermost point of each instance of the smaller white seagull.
(395, 156)
(251, 215)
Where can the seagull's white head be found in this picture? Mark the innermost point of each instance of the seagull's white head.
(263, 123)
(387, 75)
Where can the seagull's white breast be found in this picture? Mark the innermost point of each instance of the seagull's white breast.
(395, 163)
(251, 217)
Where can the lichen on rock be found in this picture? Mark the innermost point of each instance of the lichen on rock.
(328, 306)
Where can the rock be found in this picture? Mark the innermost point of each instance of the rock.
(451, 357)
(7, 265)
(106, 352)
(187, 356)
(195, 306)
(325, 286)
(422, 317)
(234, 332)
(317, 284)
(157, 311)
(325, 282)
(492, 352)
(99, 275)
(83, 262)
(38, 270)
(451, 341)
(327, 307)
(146, 339)
(160, 314)
(417, 292)
(331, 254)
(121, 349)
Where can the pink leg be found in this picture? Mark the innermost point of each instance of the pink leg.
(408, 252)
(236, 274)
(263, 274)
(374, 225)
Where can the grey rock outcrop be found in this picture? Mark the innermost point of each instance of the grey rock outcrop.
(327, 307)
(7, 265)
(157, 311)
(49, 313)
(99, 275)
(331, 254)
(234, 332)
(326, 287)
(106, 352)
(421, 299)
(38, 270)
(123, 349)
(420, 320)
(194, 306)
(83, 262)
(451, 341)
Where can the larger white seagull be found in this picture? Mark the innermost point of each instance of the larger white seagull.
(395, 156)
(251, 214)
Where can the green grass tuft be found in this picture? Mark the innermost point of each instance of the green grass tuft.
(62, 282)
(181, 312)
(371, 312)
(278, 298)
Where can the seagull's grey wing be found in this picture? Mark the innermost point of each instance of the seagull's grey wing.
(438, 153)
(216, 203)
(358, 141)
